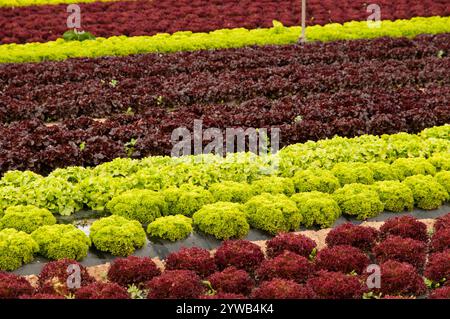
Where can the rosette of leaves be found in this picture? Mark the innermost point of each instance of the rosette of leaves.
(350, 173)
(72, 174)
(171, 228)
(273, 185)
(11, 196)
(54, 193)
(97, 191)
(406, 167)
(139, 204)
(117, 235)
(222, 220)
(16, 248)
(119, 167)
(317, 209)
(19, 178)
(427, 192)
(395, 196)
(148, 178)
(273, 213)
(315, 180)
(230, 191)
(441, 161)
(186, 200)
(61, 241)
(359, 200)
(443, 178)
(382, 171)
(26, 218)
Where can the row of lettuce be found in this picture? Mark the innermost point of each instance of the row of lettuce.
(44, 23)
(224, 208)
(413, 260)
(71, 189)
(23, 3)
(219, 39)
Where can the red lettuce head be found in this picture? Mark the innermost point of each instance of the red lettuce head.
(295, 243)
(354, 235)
(241, 254)
(344, 259)
(282, 289)
(132, 270)
(175, 284)
(195, 259)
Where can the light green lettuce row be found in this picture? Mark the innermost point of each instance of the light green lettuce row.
(24, 3)
(219, 39)
(68, 190)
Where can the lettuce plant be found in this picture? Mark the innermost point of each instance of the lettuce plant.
(317, 209)
(222, 220)
(241, 254)
(438, 267)
(117, 235)
(361, 237)
(273, 185)
(315, 180)
(14, 287)
(336, 285)
(405, 227)
(343, 258)
(382, 171)
(229, 191)
(442, 222)
(132, 270)
(443, 178)
(187, 199)
(359, 200)
(175, 284)
(400, 279)
(55, 275)
(273, 213)
(287, 265)
(26, 218)
(440, 161)
(171, 228)
(61, 241)
(395, 196)
(427, 192)
(17, 248)
(102, 290)
(139, 204)
(350, 173)
(232, 280)
(196, 259)
(278, 288)
(406, 167)
(401, 249)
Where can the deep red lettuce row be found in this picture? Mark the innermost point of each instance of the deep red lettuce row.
(42, 148)
(44, 23)
(103, 95)
(101, 99)
(240, 269)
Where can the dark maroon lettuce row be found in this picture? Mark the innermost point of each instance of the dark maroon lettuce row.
(34, 145)
(134, 18)
(99, 88)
